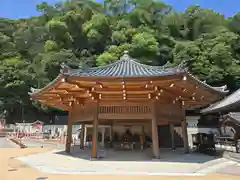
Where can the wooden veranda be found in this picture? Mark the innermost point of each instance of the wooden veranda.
(128, 93)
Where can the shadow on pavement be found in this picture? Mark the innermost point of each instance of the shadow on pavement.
(166, 155)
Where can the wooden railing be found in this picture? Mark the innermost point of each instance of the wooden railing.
(124, 109)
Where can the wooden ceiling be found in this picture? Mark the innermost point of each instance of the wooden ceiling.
(168, 89)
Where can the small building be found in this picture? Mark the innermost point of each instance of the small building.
(146, 104)
(229, 110)
(35, 127)
(230, 124)
(59, 126)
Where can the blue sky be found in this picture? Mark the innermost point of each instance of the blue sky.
(26, 8)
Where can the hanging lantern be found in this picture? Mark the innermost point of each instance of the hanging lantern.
(149, 96)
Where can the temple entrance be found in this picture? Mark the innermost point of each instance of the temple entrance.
(164, 136)
(129, 94)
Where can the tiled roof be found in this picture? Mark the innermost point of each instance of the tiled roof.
(125, 67)
(128, 67)
(234, 115)
(221, 88)
(229, 102)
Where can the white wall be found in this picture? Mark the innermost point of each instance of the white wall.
(26, 127)
(193, 129)
(192, 121)
(60, 128)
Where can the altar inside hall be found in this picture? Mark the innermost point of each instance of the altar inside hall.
(129, 94)
(125, 137)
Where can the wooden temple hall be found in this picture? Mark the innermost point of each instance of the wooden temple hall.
(128, 94)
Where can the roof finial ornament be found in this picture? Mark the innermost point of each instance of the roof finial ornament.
(65, 68)
(183, 65)
(125, 56)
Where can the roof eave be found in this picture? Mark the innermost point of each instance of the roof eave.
(213, 89)
(227, 108)
(53, 83)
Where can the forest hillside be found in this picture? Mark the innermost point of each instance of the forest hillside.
(86, 33)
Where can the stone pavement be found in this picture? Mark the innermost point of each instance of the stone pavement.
(125, 162)
(231, 170)
(36, 143)
(5, 143)
(232, 156)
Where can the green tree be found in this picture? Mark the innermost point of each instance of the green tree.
(85, 33)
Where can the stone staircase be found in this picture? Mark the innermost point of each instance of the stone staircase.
(178, 136)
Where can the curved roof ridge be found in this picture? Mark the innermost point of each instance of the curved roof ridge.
(123, 58)
(126, 66)
(207, 85)
(127, 57)
(96, 68)
(223, 88)
(49, 85)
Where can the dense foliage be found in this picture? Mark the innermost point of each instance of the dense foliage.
(86, 33)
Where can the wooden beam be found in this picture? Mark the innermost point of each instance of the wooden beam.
(117, 84)
(72, 90)
(132, 122)
(196, 89)
(133, 116)
(121, 103)
(124, 91)
(56, 105)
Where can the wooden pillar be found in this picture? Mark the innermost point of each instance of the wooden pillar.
(69, 132)
(95, 133)
(172, 131)
(85, 135)
(142, 137)
(184, 129)
(110, 133)
(103, 136)
(155, 140)
(82, 136)
(185, 136)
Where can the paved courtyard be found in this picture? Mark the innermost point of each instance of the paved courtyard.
(5, 143)
(126, 162)
(11, 168)
(231, 170)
